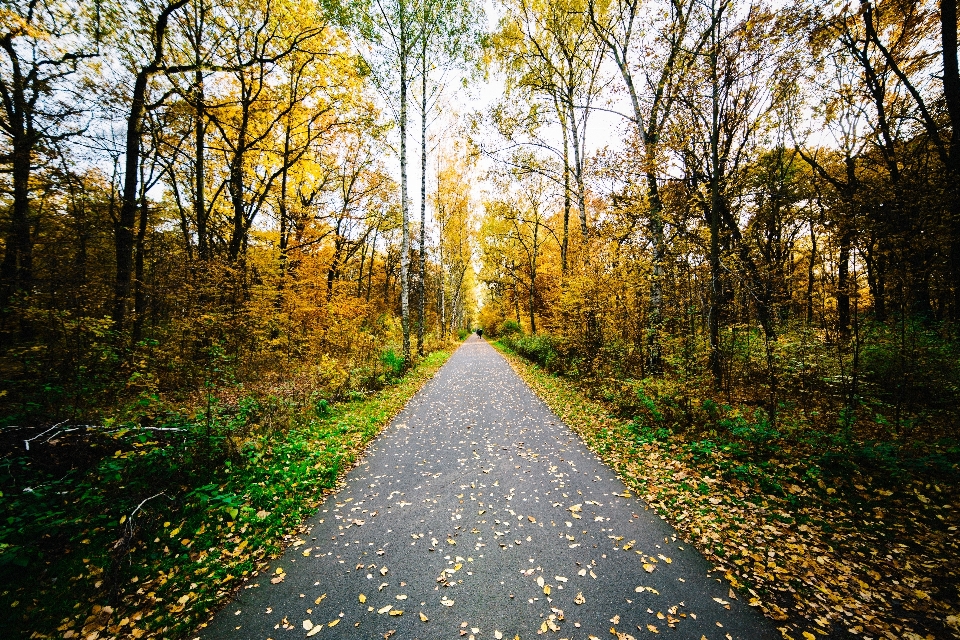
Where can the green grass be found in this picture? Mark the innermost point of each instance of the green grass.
(163, 525)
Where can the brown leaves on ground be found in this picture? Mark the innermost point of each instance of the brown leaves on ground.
(817, 557)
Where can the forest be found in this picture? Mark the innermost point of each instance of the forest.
(237, 235)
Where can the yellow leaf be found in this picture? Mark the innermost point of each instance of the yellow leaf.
(652, 629)
(385, 609)
(334, 623)
(546, 590)
(423, 617)
(809, 636)
(317, 601)
(396, 612)
(363, 598)
(648, 567)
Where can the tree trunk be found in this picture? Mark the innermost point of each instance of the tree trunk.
(951, 94)
(404, 202)
(566, 203)
(123, 237)
(373, 256)
(236, 186)
(810, 273)
(139, 290)
(423, 201)
(199, 164)
(716, 295)
(843, 284)
(655, 320)
(16, 270)
(284, 218)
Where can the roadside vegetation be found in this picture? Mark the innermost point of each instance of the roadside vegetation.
(828, 532)
(125, 531)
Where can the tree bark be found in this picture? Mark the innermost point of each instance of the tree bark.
(843, 284)
(421, 324)
(124, 234)
(404, 201)
(951, 94)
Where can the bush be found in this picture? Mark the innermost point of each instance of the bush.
(509, 328)
(541, 349)
(393, 362)
(759, 434)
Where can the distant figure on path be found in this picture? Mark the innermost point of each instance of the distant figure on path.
(480, 333)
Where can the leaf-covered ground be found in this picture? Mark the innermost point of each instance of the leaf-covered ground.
(824, 553)
(104, 568)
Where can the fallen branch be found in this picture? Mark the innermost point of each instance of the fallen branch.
(26, 443)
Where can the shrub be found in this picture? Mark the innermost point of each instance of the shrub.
(541, 349)
(393, 362)
(509, 328)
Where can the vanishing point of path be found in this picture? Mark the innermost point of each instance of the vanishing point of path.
(478, 514)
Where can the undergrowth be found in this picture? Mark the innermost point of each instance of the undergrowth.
(166, 520)
(827, 533)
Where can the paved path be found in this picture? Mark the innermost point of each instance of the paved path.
(480, 510)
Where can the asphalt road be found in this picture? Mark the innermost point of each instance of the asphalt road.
(478, 514)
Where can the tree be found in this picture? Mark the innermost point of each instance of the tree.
(660, 46)
(449, 33)
(552, 58)
(43, 44)
(395, 32)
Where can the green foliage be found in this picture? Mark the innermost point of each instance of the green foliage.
(757, 433)
(541, 348)
(394, 363)
(509, 328)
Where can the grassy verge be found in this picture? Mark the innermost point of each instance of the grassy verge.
(824, 544)
(146, 541)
